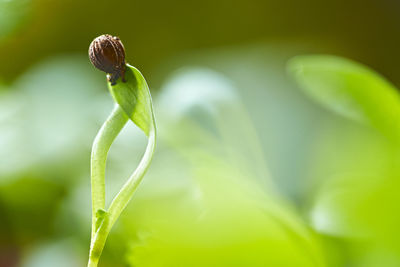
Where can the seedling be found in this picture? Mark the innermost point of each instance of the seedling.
(132, 102)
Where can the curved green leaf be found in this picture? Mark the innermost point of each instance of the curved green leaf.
(134, 98)
(349, 89)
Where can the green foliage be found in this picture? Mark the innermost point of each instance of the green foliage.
(134, 98)
(230, 223)
(216, 210)
(12, 15)
(25, 208)
(350, 89)
(202, 203)
(133, 101)
(358, 200)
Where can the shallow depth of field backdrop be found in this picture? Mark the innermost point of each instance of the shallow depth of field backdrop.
(249, 171)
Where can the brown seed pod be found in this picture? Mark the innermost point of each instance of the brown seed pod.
(107, 53)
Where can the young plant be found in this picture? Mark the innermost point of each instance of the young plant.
(132, 102)
(350, 89)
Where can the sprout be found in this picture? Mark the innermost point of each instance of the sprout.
(132, 102)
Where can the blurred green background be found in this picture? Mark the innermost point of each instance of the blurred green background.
(249, 170)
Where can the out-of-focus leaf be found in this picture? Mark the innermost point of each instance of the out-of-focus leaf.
(47, 114)
(223, 221)
(13, 13)
(357, 203)
(222, 215)
(30, 204)
(63, 253)
(213, 102)
(363, 209)
(350, 89)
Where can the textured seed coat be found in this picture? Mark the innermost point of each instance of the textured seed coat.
(107, 53)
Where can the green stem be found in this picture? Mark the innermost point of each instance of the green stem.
(93, 262)
(101, 145)
(125, 194)
(120, 201)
